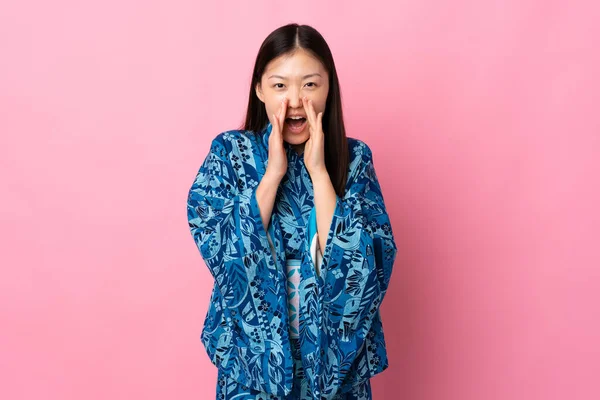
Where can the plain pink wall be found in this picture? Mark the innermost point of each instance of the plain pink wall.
(484, 123)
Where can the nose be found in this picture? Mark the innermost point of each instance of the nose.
(294, 99)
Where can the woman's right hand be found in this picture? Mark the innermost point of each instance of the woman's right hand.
(277, 165)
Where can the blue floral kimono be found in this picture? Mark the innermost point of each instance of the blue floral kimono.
(278, 302)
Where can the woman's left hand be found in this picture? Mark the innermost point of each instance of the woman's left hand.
(314, 148)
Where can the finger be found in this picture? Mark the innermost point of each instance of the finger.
(314, 115)
(307, 110)
(313, 112)
(309, 115)
(320, 120)
(279, 118)
(280, 112)
(283, 113)
(275, 124)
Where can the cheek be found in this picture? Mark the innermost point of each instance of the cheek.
(273, 104)
(271, 108)
(319, 102)
(319, 106)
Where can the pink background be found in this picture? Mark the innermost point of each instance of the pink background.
(483, 119)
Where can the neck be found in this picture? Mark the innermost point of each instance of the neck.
(299, 148)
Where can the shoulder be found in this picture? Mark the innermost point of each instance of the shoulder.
(224, 142)
(358, 147)
(359, 154)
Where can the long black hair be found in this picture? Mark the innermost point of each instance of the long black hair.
(286, 40)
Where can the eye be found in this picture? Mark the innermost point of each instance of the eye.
(278, 87)
(312, 83)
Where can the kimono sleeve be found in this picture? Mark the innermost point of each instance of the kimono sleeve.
(357, 265)
(225, 222)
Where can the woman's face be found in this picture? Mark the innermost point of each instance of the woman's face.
(293, 77)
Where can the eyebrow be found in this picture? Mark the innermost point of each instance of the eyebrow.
(304, 77)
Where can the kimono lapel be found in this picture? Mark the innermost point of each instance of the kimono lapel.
(274, 233)
(310, 290)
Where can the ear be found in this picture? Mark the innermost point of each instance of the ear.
(259, 92)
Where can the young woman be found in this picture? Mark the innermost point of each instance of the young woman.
(289, 217)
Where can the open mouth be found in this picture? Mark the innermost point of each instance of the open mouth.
(295, 125)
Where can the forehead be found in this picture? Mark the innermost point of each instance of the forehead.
(295, 65)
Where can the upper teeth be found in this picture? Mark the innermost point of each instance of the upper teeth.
(296, 117)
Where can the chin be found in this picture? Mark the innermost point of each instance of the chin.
(292, 138)
(296, 140)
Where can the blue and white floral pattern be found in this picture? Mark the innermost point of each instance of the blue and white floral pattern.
(247, 329)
